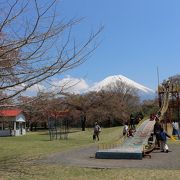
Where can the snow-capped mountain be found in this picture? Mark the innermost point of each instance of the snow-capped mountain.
(143, 91)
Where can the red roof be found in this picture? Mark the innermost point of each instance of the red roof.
(10, 112)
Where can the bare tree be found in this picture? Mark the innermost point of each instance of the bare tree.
(83, 103)
(79, 103)
(126, 94)
(36, 44)
(124, 100)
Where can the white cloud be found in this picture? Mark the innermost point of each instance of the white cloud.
(31, 91)
(36, 88)
(67, 84)
(70, 84)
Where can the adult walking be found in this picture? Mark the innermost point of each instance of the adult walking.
(157, 130)
(97, 130)
(132, 121)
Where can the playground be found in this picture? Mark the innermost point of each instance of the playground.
(33, 156)
(62, 153)
(140, 144)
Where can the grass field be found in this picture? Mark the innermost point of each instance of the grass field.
(17, 153)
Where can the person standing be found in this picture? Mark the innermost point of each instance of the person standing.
(175, 130)
(132, 122)
(97, 130)
(157, 130)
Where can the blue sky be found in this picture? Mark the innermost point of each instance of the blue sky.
(139, 36)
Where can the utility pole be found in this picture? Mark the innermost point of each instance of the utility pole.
(159, 93)
(158, 75)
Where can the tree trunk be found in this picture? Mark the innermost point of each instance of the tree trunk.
(83, 122)
(31, 127)
(109, 121)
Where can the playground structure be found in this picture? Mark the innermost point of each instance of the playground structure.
(171, 96)
(139, 146)
(132, 147)
(58, 124)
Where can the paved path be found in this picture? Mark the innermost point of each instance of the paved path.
(85, 157)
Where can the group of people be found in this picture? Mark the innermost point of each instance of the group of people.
(159, 132)
(161, 135)
(128, 130)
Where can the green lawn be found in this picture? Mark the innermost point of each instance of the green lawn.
(36, 144)
(17, 154)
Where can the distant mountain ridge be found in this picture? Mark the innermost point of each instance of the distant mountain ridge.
(144, 92)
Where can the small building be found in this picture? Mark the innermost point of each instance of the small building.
(12, 122)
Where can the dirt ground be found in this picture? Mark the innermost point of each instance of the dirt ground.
(85, 157)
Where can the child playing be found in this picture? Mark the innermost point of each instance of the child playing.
(131, 132)
(163, 140)
(125, 129)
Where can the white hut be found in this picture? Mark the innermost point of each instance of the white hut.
(12, 122)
